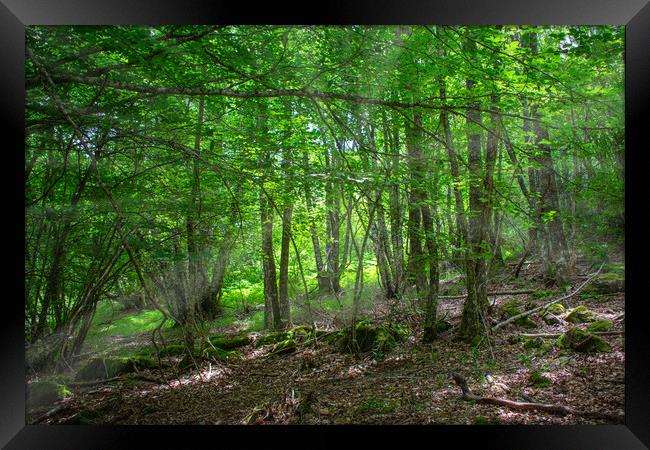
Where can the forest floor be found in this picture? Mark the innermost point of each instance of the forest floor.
(316, 384)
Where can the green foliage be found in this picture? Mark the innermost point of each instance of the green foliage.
(379, 405)
(538, 380)
(483, 420)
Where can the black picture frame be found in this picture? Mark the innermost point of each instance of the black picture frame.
(16, 14)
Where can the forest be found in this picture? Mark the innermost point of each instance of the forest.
(247, 224)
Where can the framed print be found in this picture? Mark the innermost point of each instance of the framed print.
(373, 220)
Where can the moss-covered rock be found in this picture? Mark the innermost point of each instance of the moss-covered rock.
(513, 308)
(272, 338)
(600, 326)
(43, 393)
(608, 283)
(232, 342)
(582, 341)
(580, 314)
(533, 342)
(365, 336)
(103, 368)
(551, 313)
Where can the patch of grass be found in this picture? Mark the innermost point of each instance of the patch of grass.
(379, 405)
(541, 294)
(483, 420)
(538, 380)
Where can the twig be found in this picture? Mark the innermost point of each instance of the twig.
(555, 300)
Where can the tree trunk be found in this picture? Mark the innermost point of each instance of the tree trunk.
(475, 307)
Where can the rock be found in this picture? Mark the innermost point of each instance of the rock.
(600, 325)
(533, 343)
(272, 338)
(550, 314)
(365, 336)
(511, 309)
(229, 343)
(103, 368)
(583, 341)
(580, 314)
(44, 393)
(608, 283)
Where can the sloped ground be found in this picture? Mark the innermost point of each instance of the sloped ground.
(411, 385)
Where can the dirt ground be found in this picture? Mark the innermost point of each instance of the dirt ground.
(410, 385)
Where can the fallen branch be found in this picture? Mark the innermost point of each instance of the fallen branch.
(521, 406)
(555, 300)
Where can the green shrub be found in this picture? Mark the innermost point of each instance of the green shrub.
(538, 380)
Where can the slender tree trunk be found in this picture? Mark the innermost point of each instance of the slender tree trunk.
(476, 303)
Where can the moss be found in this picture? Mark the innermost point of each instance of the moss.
(103, 368)
(541, 294)
(172, 350)
(582, 341)
(607, 283)
(600, 325)
(555, 308)
(580, 314)
(511, 309)
(217, 354)
(229, 343)
(43, 393)
(284, 347)
(550, 313)
(533, 343)
(538, 380)
(272, 338)
(365, 337)
(482, 420)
